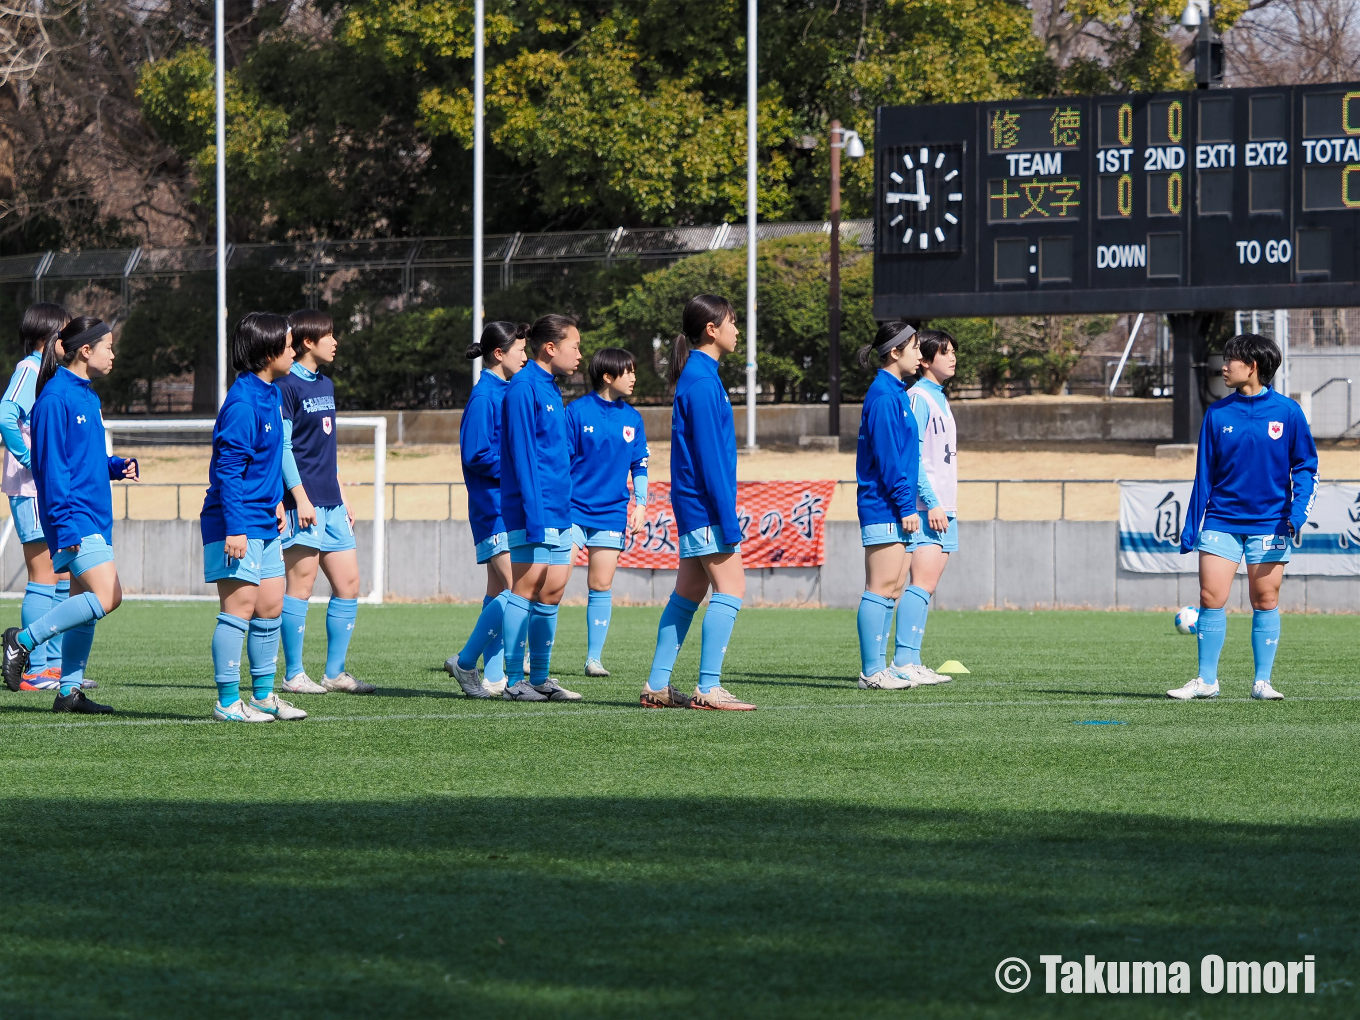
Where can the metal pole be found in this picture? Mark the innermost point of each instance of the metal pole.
(1282, 339)
(833, 372)
(478, 159)
(218, 31)
(751, 113)
(1124, 358)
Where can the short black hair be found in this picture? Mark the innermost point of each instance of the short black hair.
(1254, 349)
(260, 337)
(39, 324)
(309, 324)
(935, 341)
(613, 361)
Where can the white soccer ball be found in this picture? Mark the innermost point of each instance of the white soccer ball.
(1187, 620)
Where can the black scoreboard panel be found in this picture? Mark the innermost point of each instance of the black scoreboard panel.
(1187, 201)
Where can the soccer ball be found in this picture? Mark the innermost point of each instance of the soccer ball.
(1187, 620)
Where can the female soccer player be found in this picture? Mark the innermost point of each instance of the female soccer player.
(887, 458)
(502, 350)
(71, 472)
(1255, 480)
(536, 507)
(320, 528)
(40, 323)
(241, 520)
(608, 443)
(704, 497)
(937, 485)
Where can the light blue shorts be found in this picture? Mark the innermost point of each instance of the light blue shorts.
(948, 540)
(330, 533)
(24, 510)
(883, 534)
(704, 542)
(1256, 548)
(555, 549)
(263, 560)
(492, 545)
(92, 552)
(596, 538)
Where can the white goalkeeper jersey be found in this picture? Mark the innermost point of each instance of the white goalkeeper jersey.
(938, 483)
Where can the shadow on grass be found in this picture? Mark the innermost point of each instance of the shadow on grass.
(624, 906)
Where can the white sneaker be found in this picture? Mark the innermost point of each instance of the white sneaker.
(239, 711)
(886, 680)
(917, 674)
(278, 708)
(302, 684)
(495, 689)
(1196, 688)
(468, 679)
(1262, 691)
(594, 667)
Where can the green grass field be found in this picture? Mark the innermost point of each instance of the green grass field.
(839, 853)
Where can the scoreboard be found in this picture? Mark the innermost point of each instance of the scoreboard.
(1189, 201)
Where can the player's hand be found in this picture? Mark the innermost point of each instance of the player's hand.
(306, 512)
(130, 471)
(938, 520)
(911, 525)
(282, 520)
(235, 546)
(637, 517)
(1291, 529)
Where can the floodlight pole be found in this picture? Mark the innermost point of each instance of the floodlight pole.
(219, 41)
(478, 161)
(833, 311)
(751, 113)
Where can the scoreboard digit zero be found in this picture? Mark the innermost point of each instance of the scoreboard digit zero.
(1189, 201)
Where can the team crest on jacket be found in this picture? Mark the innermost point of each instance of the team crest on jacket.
(326, 424)
(628, 433)
(1275, 429)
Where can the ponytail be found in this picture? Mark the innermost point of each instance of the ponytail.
(549, 329)
(890, 336)
(82, 331)
(497, 336)
(700, 312)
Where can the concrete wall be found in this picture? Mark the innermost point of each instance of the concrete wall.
(1000, 565)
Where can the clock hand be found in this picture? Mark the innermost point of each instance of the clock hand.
(922, 199)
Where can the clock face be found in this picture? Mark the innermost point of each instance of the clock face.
(921, 207)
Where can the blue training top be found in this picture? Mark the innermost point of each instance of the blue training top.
(479, 445)
(535, 455)
(704, 452)
(608, 443)
(17, 405)
(887, 454)
(309, 431)
(71, 465)
(1256, 471)
(245, 478)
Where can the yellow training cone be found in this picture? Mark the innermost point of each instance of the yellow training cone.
(953, 666)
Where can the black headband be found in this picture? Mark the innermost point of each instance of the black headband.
(88, 336)
(897, 340)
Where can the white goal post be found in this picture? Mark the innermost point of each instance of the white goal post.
(376, 423)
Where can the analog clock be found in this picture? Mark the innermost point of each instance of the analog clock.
(921, 200)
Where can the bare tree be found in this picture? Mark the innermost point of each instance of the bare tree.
(1294, 42)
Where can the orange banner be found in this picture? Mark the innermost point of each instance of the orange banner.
(782, 525)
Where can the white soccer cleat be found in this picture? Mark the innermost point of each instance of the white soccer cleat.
(886, 680)
(302, 684)
(1262, 691)
(239, 711)
(594, 667)
(278, 708)
(495, 688)
(468, 679)
(347, 683)
(924, 675)
(1196, 688)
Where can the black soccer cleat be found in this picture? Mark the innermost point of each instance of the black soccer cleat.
(79, 704)
(15, 659)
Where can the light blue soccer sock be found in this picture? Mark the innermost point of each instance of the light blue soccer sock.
(59, 619)
(37, 602)
(542, 634)
(485, 632)
(62, 593)
(341, 615)
(292, 635)
(1265, 640)
(515, 631)
(493, 655)
(227, 640)
(872, 621)
(717, 631)
(75, 652)
(599, 608)
(1211, 629)
(670, 635)
(262, 645)
(912, 611)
